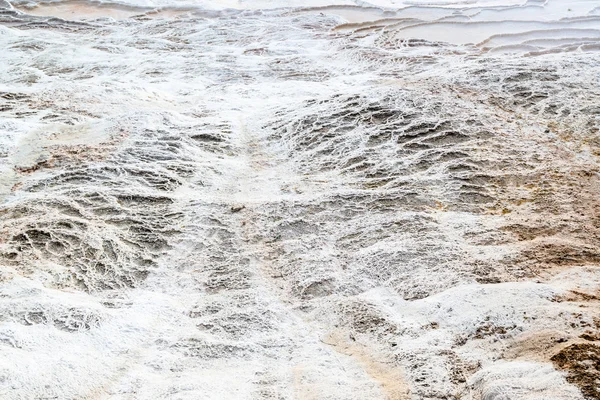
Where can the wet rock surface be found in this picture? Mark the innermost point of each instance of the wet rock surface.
(283, 204)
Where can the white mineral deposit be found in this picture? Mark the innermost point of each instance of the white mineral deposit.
(300, 200)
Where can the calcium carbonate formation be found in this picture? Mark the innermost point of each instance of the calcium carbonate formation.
(324, 199)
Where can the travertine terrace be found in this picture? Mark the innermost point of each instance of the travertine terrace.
(300, 200)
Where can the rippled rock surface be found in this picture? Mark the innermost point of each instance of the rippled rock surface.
(257, 200)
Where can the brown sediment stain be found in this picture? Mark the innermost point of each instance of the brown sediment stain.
(576, 295)
(546, 196)
(68, 155)
(579, 357)
(389, 377)
(555, 255)
(577, 354)
(590, 336)
(537, 346)
(558, 226)
(581, 362)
